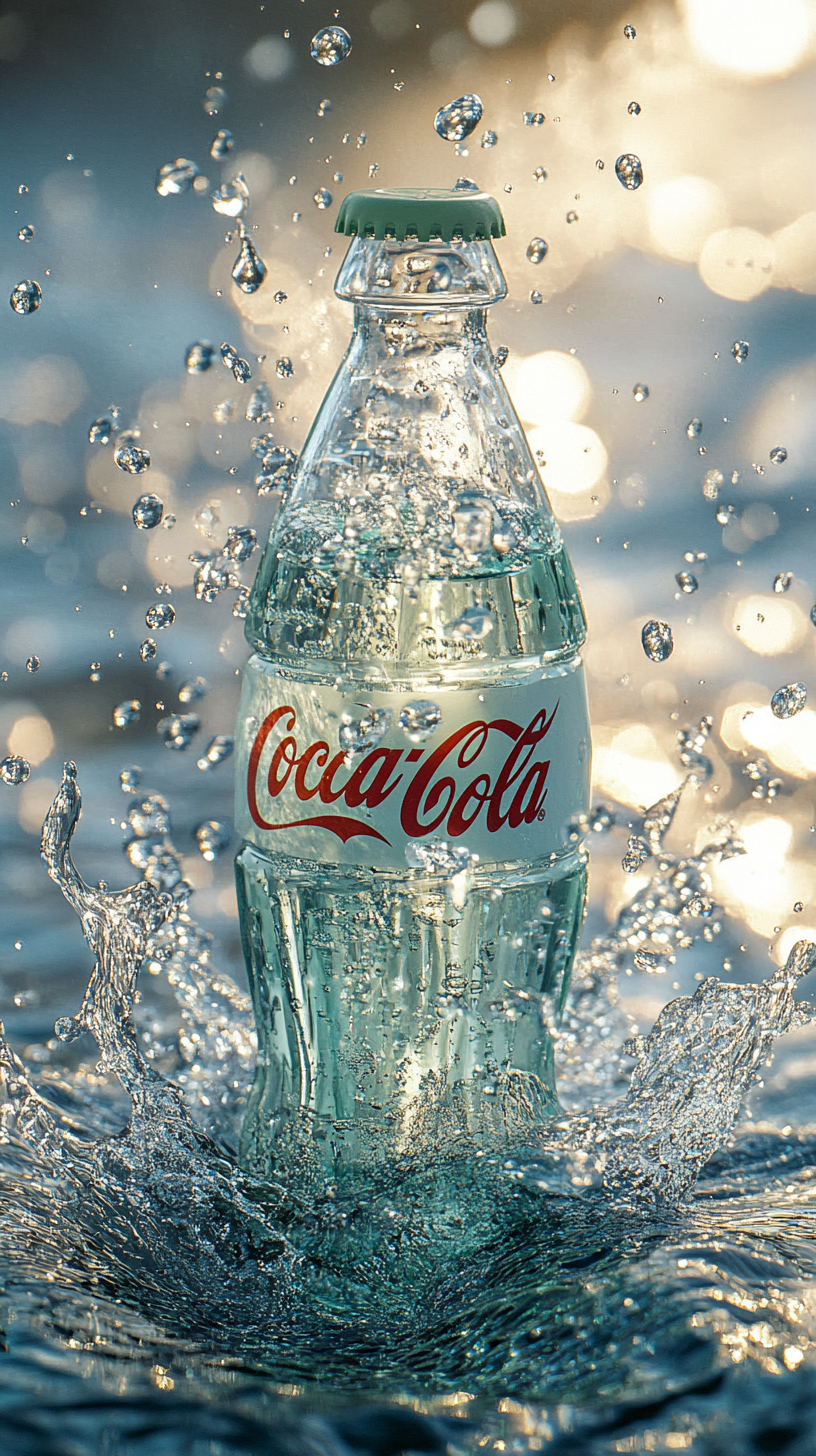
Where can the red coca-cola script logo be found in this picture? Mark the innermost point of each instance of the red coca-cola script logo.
(439, 794)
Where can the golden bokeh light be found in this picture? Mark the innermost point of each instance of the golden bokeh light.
(548, 386)
(769, 625)
(31, 738)
(752, 38)
(737, 263)
(630, 765)
(683, 213)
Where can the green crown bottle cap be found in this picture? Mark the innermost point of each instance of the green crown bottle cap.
(423, 213)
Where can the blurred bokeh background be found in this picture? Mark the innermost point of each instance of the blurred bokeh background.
(659, 439)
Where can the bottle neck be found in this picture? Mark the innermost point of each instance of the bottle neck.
(404, 332)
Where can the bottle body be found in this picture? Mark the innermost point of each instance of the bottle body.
(411, 757)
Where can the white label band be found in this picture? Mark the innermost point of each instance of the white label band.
(501, 774)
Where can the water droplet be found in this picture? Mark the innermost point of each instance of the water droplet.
(323, 198)
(26, 234)
(629, 171)
(176, 177)
(600, 164)
(147, 650)
(193, 690)
(533, 118)
(14, 769)
(457, 120)
(535, 296)
(537, 250)
(259, 405)
(95, 672)
(22, 190)
(712, 480)
(540, 174)
(789, 700)
(630, 32)
(572, 215)
(474, 625)
(358, 734)
(147, 512)
(280, 296)
(100, 431)
(601, 819)
(420, 719)
(779, 455)
(489, 139)
(782, 581)
(284, 368)
(278, 465)
(325, 106)
(438, 858)
(159, 616)
(129, 779)
(501, 356)
(687, 582)
(694, 428)
(218, 748)
(249, 268)
(740, 350)
(68, 1028)
(222, 143)
(640, 392)
(178, 730)
(240, 606)
(232, 198)
(215, 99)
(32, 664)
(26, 297)
(132, 458)
(636, 854)
(331, 46)
(657, 640)
(633, 108)
(212, 838)
(232, 360)
(241, 542)
(127, 712)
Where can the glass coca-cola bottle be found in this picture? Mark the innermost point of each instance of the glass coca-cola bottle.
(413, 740)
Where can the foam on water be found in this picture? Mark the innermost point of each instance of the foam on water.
(138, 1254)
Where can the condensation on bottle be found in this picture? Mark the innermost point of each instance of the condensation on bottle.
(412, 735)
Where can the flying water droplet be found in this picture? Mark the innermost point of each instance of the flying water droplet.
(284, 368)
(782, 581)
(740, 350)
(280, 296)
(32, 664)
(535, 296)
(634, 108)
(193, 690)
(630, 32)
(323, 198)
(636, 854)
(129, 779)
(712, 480)
(438, 858)
(260, 406)
(474, 625)
(501, 356)
(176, 177)
(222, 143)
(215, 99)
(694, 428)
(629, 171)
(779, 455)
(489, 139)
(212, 838)
(231, 359)
(537, 250)
(420, 719)
(148, 650)
(540, 174)
(572, 215)
(356, 735)
(687, 582)
(249, 269)
(331, 46)
(26, 297)
(178, 730)
(457, 120)
(533, 118)
(100, 431)
(232, 198)
(241, 542)
(218, 749)
(789, 700)
(127, 713)
(26, 234)
(657, 640)
(324, 107)
(68, 1028)
(132, 458)
(640, 392)
(148, 512)
(95, 672)
(159, 616)
(14, 769)
(278, 466)
(199, 357)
